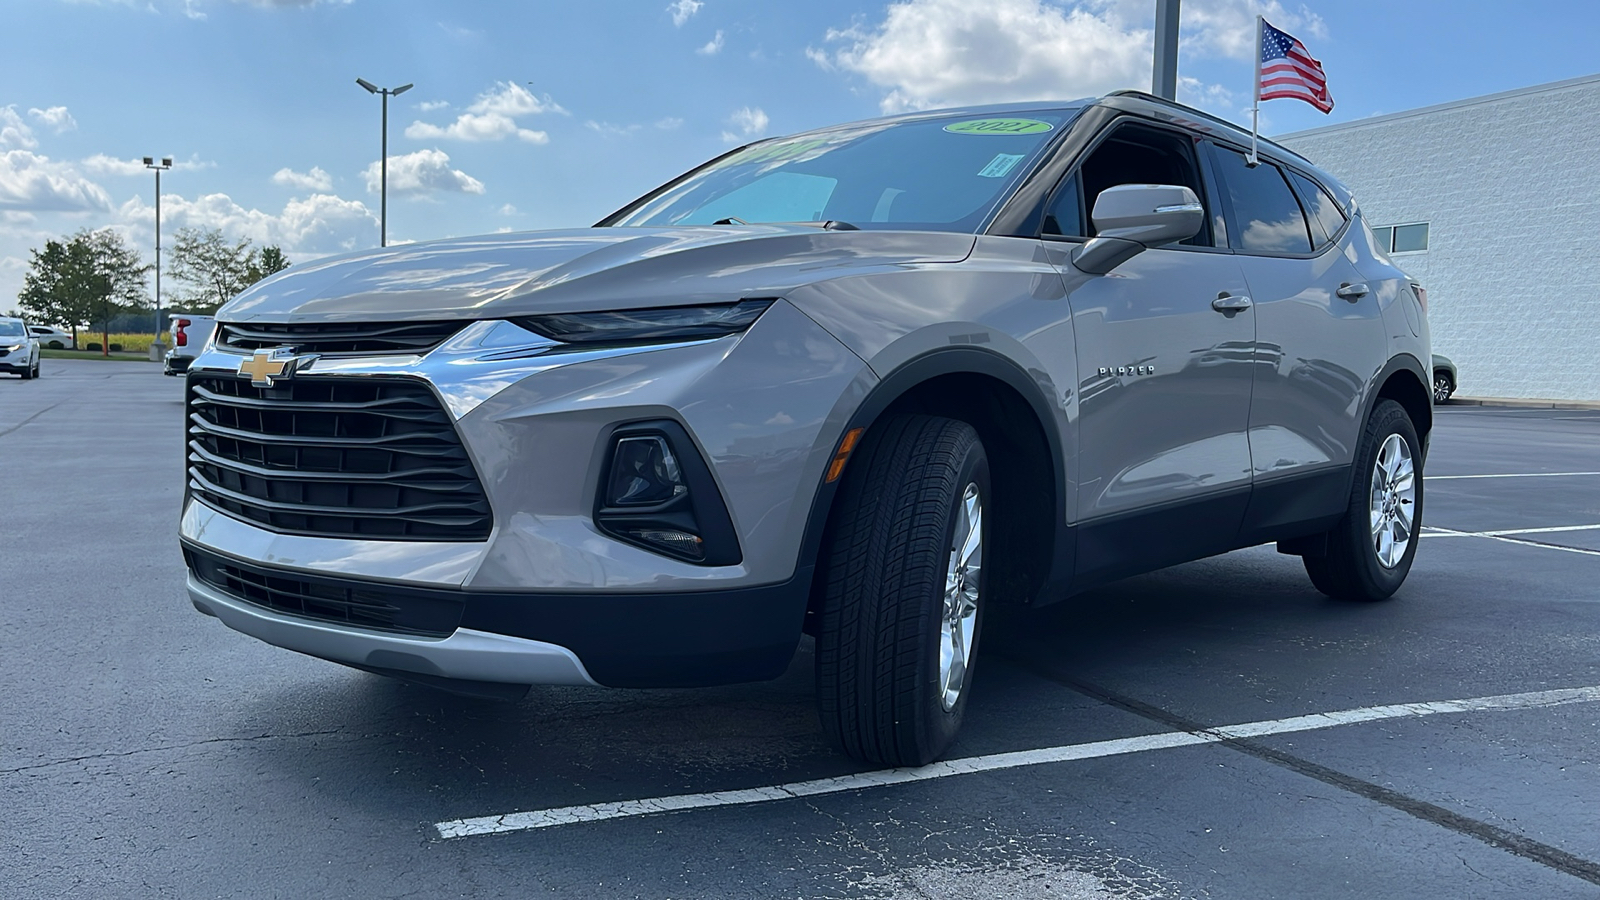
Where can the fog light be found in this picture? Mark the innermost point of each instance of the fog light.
(681, 543)
(644, 473)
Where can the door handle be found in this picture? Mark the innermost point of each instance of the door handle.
(1352, 292)
(1228, 305)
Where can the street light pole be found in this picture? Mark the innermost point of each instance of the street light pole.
(157, 348)
(383, 164)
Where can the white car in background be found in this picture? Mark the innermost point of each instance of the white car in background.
(53, 338)
(19, 352)
(189, 336)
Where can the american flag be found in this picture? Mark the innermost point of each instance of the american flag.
(1288, 71)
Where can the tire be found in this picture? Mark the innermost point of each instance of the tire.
(36, 368)
(55, 345)
(1359, 565)
(28, 373)
(1443, 386)
(882, 693)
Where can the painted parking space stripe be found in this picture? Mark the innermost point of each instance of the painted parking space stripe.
(1510, 475)
(1506, 537)
(1505, 532)
(623, 809)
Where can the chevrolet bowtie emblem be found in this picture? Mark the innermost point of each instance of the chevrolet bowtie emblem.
(266, 367)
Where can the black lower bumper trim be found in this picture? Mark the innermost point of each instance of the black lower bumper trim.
(659, 640)
(624, 640)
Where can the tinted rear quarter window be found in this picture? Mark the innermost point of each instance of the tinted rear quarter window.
(1266, 216)
(1326, 216)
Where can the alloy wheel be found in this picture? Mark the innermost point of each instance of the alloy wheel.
(962, 582)
(1393, 501)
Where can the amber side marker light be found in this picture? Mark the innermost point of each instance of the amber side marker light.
(836, 468)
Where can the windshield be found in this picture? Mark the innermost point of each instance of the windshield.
(12, 328)
(942, 174)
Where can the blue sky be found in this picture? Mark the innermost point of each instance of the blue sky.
(537, 114)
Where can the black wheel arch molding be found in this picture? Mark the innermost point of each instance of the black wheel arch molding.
(1045, 570)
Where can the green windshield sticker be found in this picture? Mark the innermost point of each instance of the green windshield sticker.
(998, 126)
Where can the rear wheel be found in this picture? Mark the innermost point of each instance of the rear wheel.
(903, 591)
(1370, 550)
(1443, 386)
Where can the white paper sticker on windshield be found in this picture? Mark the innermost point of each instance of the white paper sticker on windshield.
(1000, 165)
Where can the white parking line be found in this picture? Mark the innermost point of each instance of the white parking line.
(623, 809)
(1510, 475)
(1445, 532)
(1505, 536)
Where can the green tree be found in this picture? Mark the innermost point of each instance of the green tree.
(214, 270)
(90, 275)
(211, 269)
(269, 260)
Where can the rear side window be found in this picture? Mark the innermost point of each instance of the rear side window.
(1266, 216)
(1325, 215)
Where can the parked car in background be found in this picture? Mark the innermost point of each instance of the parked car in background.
(19, 352)
(52, 338)
(1444, 378)
(862, 383)
(189, 335)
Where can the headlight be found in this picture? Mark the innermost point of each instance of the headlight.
(669, 323)
(13, 347)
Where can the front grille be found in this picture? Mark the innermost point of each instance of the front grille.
(369, 457)
(390, 609)
(339, 337)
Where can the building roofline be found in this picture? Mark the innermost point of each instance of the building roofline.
(1442, 107)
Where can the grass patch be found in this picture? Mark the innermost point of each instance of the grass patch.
(46, 353)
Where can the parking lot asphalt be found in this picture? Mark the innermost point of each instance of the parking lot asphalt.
(147, 751)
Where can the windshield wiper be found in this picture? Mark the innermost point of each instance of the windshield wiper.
(829, 225)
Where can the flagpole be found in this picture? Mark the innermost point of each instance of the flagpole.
(1255, 108)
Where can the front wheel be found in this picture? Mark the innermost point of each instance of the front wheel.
(902, 591)
(1370, 550)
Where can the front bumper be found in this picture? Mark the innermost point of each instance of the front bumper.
(616, 640)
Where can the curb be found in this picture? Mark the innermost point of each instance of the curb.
(1518, 403)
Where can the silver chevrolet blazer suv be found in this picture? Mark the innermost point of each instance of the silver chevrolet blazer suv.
(865, 383)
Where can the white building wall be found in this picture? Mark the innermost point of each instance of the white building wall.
(1510, 187)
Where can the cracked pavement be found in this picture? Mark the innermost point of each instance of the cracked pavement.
(147, 751)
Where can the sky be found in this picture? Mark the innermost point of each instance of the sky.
(540, 114)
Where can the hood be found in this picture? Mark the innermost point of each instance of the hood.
(579, 270)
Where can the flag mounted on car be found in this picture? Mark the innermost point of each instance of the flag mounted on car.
(1285, 71)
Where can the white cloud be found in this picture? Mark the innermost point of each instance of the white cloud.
(508, 210)
(433, 105)
(101, 164)
(311, 226)
(30, 182)
(315, 180)
(610, 129)
(930, 53)
(56, 118)
(492, 117)
(1228, 27)
(669, 123)
(13, 131)
(712, 47)
(682, 10)
(423, 172)
(748, 123)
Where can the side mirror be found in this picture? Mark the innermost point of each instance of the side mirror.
(1132, 218)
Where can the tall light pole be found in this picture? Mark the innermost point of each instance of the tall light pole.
(1164, 76)
(156, 347)
(383, 184)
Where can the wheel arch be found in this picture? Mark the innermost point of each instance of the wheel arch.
(1405, 380)
(1015, 420)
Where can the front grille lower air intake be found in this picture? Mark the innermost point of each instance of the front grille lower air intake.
(370, 458)
(360, 338)
(342, 601)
